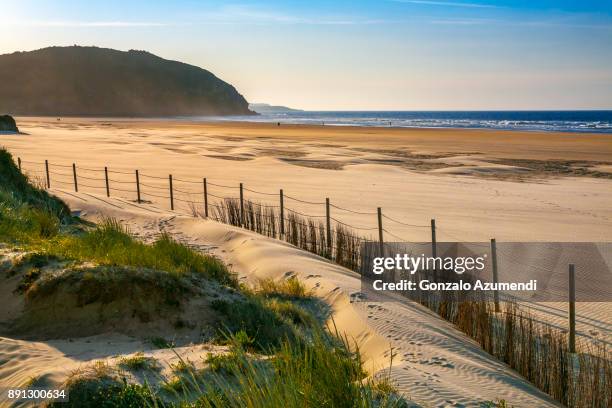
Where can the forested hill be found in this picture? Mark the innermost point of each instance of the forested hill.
(100, 81)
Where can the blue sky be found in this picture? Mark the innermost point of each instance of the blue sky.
(387, 54)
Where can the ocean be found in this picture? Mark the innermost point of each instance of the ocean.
(596, 121)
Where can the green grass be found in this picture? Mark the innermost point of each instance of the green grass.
(161, 343)
(182, 366)
(106, 284)
(112, 244)
(139, 362)
(291, 312)
(321, 373)
(38, 222)
(268, 315)
(26, 212)
(18, 188)
(225, 364)
(254, 319)
(96, 393)
(299, 364)
(290, 288)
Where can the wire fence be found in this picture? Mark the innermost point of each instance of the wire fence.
(193, 192)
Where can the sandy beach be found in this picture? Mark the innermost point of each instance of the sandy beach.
(477, 184)
(513, 185)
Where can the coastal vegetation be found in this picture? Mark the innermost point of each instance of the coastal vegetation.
(279, 351)
(534, 349)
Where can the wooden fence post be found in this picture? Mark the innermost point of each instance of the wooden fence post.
(76, 186)
(47, 171)
(106, 179)
(171, 192)
(241, 206)
(434, 249)
(381, 248)
(328, 225)
(138, 187)
(495, 276)
(205, 197)
(572, 309)
(282, 213)
(19, 163)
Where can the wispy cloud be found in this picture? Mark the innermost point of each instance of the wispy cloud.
(517, 23)
(86, 24)
(447, 3)
(465, 21)
(232, 14)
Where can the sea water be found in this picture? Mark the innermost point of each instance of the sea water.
(597, 121)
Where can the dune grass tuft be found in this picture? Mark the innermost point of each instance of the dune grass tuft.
(291, 312)
(161, 343)
(254, 319)
(112, 244)
(324, 372)
(139, 362)
(291, 288)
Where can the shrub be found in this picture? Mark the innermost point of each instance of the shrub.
(108, 393)
(161, 343)
(257, 321)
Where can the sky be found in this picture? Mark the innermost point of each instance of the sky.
(354, 55)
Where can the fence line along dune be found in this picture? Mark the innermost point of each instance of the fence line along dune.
(537, 350)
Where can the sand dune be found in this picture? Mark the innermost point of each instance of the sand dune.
(433, 362)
